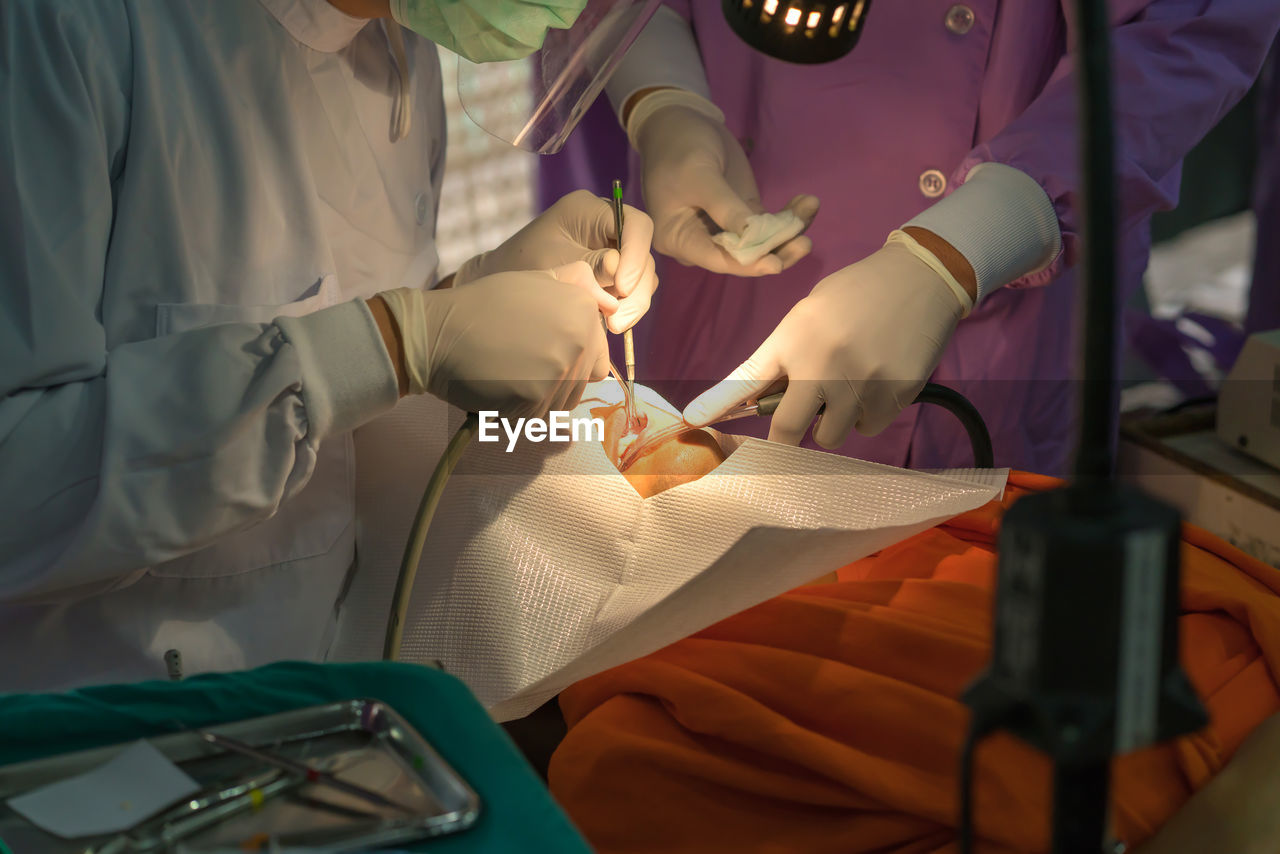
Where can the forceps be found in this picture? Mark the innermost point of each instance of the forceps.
(765, 405)
(932, 393)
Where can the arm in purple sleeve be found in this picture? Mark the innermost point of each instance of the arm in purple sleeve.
(1178, 67)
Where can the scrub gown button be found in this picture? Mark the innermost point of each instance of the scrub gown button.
(420, 208)
(960, 19)
(933, 183)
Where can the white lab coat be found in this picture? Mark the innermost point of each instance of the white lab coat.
(176, 469)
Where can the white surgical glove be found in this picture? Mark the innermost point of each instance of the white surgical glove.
(867, 338)
(863, 343)
(698, 181)
(581, 227)
(521, 343)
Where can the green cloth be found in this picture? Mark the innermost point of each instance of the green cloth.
(517, 813)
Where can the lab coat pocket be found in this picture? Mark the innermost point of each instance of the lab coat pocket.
(181, 317)
(312, 521)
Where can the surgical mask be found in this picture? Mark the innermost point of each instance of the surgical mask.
(486, 30)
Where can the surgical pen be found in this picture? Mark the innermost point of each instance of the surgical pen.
(312, 775)
(628, 341)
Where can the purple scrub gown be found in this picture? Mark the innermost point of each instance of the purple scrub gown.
(884, 132)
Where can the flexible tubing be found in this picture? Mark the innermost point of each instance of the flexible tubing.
(418, 534)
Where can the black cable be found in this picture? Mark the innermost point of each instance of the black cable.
(978, 730)
(959, 406)
(938, 395)
(1098, 410)
(1080, 805)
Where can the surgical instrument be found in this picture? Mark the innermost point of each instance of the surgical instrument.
(307, 772)
(200, 812)
(952, 401)
(635, 421)
(628, 340)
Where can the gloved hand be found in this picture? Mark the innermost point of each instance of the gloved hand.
(522, 343)
(695, 171)
(580, 227)
(863, 342)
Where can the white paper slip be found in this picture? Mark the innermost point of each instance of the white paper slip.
(135, 785)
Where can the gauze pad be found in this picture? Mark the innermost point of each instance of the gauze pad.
(543, 566)
(763, 234)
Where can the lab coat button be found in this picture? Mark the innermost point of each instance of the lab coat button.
(420, 208)
(933, 183)
(960, 19)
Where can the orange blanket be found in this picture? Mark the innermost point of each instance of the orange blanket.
(827, 720)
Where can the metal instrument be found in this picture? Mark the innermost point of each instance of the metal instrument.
(243, 802)
(933, 393)
(203, 810)
(307, 772)
(647, 441)
(628, 341)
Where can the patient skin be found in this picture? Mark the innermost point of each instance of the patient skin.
(682, 459)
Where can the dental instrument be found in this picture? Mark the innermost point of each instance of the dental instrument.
(628, 340)
(201, 811)
(634, 425)
(307, 772)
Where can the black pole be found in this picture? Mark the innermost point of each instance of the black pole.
(1077, 689)
(1080, 798)
(1095, 461)
(1081, 791)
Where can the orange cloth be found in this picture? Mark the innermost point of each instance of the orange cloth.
(827, 720)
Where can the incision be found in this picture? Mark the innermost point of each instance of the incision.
(680, 459)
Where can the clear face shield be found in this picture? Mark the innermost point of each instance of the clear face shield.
(568, 72)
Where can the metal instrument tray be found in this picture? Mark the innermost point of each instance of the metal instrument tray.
(361, 741)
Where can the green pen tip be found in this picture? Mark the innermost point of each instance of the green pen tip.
(617, 189)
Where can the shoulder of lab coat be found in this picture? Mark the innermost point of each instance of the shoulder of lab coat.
(112, 460)
(664, 54)
(1178, 68)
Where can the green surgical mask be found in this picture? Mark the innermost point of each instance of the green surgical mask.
(487, 30)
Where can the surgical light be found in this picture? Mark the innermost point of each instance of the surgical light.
(798, 30)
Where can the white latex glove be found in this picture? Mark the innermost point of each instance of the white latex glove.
(863, 343)
(698, 181)
(522, 343)
(580, 227)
